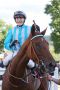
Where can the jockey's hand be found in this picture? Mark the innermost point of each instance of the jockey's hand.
(58, 65)
(49, 77)
(14, 43)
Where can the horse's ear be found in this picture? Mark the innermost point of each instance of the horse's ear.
(44, 31)
(33, 29)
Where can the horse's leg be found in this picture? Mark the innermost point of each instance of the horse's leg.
(43, 85)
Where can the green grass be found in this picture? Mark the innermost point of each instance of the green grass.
(56, 56)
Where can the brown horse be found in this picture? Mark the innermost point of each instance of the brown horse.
(35, 48)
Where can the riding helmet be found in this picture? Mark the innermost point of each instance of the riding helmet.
(19, 14)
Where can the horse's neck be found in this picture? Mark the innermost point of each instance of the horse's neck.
(19, 62)
(21, 66)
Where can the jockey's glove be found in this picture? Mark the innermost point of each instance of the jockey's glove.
(13, 43)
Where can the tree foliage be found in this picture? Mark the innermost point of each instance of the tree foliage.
(53, 9)
(3, 31)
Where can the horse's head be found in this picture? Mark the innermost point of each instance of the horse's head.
(39, 50)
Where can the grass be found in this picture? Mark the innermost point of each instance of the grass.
(56, 56)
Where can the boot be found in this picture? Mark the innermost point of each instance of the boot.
(1, 64)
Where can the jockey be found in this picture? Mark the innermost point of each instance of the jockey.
(19, 33)
(16, 37)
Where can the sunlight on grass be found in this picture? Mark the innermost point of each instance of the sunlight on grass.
(58, 87)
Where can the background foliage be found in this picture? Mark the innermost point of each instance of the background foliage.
(53, 9)
(3, 31)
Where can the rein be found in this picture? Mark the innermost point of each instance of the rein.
(18, 77)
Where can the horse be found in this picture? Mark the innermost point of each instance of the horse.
(16, 76)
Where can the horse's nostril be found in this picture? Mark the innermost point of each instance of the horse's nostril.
(52, 73)
(51, 69)
(50, 65)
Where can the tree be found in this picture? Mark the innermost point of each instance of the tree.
(3, 31)
(54, 10)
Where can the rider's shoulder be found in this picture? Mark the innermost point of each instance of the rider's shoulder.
(9, 30)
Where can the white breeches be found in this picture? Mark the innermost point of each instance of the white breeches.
(9, 58)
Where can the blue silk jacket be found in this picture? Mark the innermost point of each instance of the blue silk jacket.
(17, 33)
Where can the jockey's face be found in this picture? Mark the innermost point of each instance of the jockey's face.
(19, 21)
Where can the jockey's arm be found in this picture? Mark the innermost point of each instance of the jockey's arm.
(8, 40)
(57, 81)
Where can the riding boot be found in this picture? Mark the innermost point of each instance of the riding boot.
(1, 64)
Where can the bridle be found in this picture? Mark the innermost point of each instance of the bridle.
(36, 36)
(17, 78)
(20, 79)
(37, 56)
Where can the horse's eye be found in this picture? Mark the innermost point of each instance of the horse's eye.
(38, 47)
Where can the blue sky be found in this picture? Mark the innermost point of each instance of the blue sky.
(34, 10)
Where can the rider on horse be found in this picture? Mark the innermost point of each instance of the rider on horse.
(16, 37)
